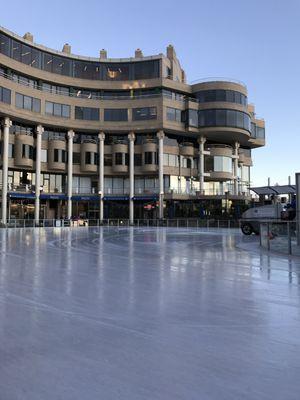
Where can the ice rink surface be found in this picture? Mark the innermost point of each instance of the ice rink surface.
(108, 313)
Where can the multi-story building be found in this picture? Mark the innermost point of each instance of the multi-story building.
(119, 138)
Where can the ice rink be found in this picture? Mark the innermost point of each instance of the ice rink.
(154, 313)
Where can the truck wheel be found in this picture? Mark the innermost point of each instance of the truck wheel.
(247, 229)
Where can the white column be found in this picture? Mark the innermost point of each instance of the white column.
(6, 126)
(160, 136)
(235, 168)
(101, 138)
(201, 142)
(70, 171)
(242, 178)
(131, 138)
(39, 132)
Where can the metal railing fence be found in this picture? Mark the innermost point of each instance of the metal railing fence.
(279, 236)
(123, 222)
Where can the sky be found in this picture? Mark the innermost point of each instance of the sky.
(256, 42)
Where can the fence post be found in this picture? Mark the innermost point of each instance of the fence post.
(289, 238)
(218, 224)
(268, 234)
(229, 224)
(187, 223)
(197, 223)
(207, 223)
(177, 223)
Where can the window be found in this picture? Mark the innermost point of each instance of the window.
(57, 109)
(4, 44)
(116, 72)
(44, 156)
(5, 95)
(91, 158)
(140, 114)
(115, 114)
(193, 118)
(60, 155)
(76, 158)
(118, 158)
(11, 150)
(87, 113)
(28, 103)
(150, 157)
(173, 114)
(146, 69)
(107, 160)
(137, 160)
(27, 151)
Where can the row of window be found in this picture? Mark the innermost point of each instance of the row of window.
(230, 96)
(76, 68)
(221, 117)
(215, 117)
(83, 113)
(28, 103)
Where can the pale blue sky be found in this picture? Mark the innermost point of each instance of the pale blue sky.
(254, 41)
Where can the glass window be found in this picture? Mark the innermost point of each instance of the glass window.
(222, 164)
(115, 114)
(173, 114)
(144, 113)
(220, 117)
(206, 96)
(44, 155)
(146, 69)
(4, 44)
(118, 158)
(58, 110)
(231, 118)
(65, 111)
(87, 113)
(193, 118)
(19, 100)
(137, 160)
(49, 107)
(5, 95)
(116, 72)
(11, 150)
(107, 160)
(28, 103)
(148, 159)
(76, 158)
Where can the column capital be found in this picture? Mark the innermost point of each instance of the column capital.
(201, 140)
(70, 134)
(101, 136)
(39, 129)
(131, 136)
(160, 135)
(7, 122)
(236, 145)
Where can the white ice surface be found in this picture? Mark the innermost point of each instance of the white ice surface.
(88, 313)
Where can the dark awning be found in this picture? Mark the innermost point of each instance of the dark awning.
(277, 189)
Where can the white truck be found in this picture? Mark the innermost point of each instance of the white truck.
(251, 218)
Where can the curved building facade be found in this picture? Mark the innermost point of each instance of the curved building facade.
(119, 138)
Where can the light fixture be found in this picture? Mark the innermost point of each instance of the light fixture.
(25, 54)
(85, 68)
(78, 93)
(50, 61)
